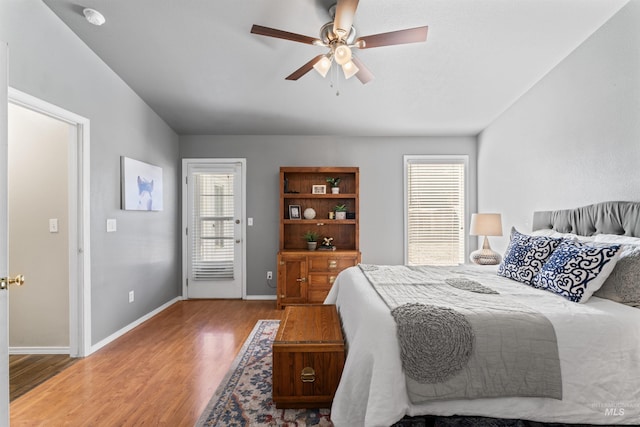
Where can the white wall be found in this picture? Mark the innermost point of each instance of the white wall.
(574, 138)
(380, 160)
(47, 60)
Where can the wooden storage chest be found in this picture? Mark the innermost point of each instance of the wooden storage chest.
(308, 357)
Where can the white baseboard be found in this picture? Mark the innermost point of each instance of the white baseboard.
(39, 350)
(132, 325)
(260, 297)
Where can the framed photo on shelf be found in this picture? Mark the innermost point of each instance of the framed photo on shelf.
(319, 189)
(294, 211)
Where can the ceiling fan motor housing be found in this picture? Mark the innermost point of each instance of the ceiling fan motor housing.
(328, 37)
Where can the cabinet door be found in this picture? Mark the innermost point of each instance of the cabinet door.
(292, 280)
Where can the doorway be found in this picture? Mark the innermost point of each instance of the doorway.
(48, 228)
(213, 220)
(38, 231)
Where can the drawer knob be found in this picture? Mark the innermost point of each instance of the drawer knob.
(333, 263)
(332, 279)
(308, 375)
(302, 279)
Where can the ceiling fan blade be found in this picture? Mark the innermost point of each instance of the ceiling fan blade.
(304, 69)
(286, 35)
(343, 21)
(364, 75)
(411, 35)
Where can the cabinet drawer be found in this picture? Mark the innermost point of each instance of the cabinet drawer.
(319, 287)
(322, 280)
(329, 264)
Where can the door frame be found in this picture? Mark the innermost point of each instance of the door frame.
(79, 214)
(4, 243)
(185, 217)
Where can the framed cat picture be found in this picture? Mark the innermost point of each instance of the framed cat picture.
(141, 185)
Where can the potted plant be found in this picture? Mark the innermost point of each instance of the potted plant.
(341, 211)
(334, 185)
(312, 239)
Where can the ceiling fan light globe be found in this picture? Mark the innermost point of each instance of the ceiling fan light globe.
(342, 54)
(322, 66)
(349, 69)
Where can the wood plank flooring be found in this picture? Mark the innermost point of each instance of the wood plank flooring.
(26, 371)
(162, 373)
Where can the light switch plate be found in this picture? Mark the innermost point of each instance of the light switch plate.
(53, 225)
(250, 222)
(111, 225)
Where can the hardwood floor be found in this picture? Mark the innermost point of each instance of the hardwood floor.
(162, 373)
(27, 371)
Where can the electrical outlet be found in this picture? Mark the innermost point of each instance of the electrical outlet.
(131, 296)
(269, 275)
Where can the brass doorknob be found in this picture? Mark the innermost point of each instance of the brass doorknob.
(6, 281)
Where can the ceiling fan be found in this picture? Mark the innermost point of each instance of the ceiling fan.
(340, 37)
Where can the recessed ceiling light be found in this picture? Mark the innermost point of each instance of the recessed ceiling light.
(93, 16)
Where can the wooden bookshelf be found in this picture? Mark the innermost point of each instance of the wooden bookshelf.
(306, 276)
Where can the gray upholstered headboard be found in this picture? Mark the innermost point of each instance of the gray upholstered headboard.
(601, 218)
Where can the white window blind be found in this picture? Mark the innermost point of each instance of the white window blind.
(435, 196)
(213, 227)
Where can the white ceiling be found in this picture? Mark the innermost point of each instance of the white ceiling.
(196, 64)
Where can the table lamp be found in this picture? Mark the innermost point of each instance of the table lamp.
(485, 224)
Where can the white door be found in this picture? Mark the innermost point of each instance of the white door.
(4, 307)
(213, 215)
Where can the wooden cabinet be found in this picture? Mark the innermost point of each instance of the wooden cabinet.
(306, 276)
(308, 357)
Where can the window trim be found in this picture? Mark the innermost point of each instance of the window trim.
(429, 158)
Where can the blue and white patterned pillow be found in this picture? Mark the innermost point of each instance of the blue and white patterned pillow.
(526, 255)
(576, 270)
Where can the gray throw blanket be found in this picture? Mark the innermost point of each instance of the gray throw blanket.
(461, 339)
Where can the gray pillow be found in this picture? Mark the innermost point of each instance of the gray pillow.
(623, 284)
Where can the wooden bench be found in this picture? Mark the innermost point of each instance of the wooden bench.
(308, 357)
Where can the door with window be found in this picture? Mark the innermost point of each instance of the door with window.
(213, 218)
(435, 209)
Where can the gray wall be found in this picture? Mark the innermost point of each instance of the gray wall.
(381, 186)
(574, 139)
(48, 61)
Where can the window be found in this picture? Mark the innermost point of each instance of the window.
(213, 226)
(435, 209)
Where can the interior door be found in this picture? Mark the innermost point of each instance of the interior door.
(215, 229)
(4, 307)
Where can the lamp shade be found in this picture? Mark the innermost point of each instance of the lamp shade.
(323, 65)
(349, 69)
(486, 224)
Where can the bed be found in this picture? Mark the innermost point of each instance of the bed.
(598, 341)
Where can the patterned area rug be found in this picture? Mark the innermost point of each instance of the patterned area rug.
(244, 396)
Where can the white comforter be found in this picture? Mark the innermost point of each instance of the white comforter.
(598, 342)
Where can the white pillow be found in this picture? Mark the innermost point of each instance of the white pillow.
(614, 238)
(547, 232)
